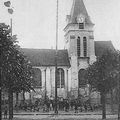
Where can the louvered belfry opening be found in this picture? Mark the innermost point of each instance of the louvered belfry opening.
(78, 46)
(85, 46)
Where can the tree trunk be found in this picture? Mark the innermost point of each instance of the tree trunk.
(17, 98)
(10, 97)
(17, 101)
(0, 103)
(119, 98)
(0, 94)
(112, 104)
(23, 97)
(103, 101)
(119, 112)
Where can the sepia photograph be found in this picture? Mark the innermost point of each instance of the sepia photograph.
(59, 60)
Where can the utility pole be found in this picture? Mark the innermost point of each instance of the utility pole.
(56, 109)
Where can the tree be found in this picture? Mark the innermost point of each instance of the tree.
(102, 75)
(118, 69)
(16, 71)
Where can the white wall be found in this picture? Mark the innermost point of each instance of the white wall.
(50, 80)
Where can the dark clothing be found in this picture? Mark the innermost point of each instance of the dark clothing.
(5, 112)
(66, 106)
(76, 106)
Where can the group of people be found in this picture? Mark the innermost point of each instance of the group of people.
(61, 105)
(47, 105)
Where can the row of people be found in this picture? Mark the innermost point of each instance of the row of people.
(62, 105)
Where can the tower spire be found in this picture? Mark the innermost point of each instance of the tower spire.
(78, 8)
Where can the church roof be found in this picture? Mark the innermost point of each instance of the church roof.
(46, 57)
(78, 8)
(101, 46)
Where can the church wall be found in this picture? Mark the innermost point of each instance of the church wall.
(72, 43)
(50, 81)
(92, 51)
(74, 74)
(72, 32)
(66, 43)
(74, 27)
(69, 79)
(63, 91)
(82, 64)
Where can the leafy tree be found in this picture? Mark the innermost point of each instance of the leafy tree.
(118, 71)
(15, 69)
(102, 75)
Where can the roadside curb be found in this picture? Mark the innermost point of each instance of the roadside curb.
(77, 114)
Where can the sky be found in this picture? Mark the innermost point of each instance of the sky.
(34, 21)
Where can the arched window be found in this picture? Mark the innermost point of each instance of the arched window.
(37, 78)
(85, 46)
(78, 47)
(60, 78)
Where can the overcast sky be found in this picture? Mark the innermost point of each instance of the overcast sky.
(34, 21)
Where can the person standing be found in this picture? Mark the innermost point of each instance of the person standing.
(76, 106)
(5, 112)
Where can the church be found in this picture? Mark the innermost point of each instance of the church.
(80, 51)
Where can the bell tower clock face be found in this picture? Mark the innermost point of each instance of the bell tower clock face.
(80, 19)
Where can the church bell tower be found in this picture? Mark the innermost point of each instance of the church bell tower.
(79, 41)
